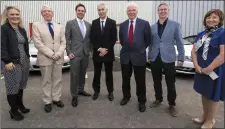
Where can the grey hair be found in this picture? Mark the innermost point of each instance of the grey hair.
(163, 3)
(46, 6)
(132, 3)
(101, 5)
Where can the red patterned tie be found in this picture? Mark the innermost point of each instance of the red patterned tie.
(131, 34)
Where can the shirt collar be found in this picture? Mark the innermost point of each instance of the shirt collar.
(80, 20)
(163, 22)
(134, 20)
(103, 20)
(48, 22)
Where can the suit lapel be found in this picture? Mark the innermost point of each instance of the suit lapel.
(126, 30)
(156, 28)
(166, 29)
(46, 27)
(77, 26)
(86, 25)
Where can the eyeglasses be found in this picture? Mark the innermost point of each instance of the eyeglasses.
(163, 10)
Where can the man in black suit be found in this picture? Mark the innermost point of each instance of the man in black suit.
(135, 37)
(103, 39)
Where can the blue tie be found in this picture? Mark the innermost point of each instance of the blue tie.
(82, 28)
(50, 29)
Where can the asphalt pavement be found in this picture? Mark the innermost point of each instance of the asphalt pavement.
(105, 114)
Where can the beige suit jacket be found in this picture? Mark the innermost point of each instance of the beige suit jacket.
(46, 45)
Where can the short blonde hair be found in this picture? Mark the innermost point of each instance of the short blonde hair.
(4, 19)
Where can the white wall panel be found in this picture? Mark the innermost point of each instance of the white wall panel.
(190, 14)
(65, 10)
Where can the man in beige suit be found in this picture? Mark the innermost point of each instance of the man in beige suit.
(50, 42)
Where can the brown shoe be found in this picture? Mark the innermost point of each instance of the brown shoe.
(156, 103)
(173, 111)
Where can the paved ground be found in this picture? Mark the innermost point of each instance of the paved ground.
(104, 114)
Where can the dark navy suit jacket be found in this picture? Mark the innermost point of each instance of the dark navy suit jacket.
(141, 40)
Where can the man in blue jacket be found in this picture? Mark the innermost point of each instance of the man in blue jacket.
(162, 55)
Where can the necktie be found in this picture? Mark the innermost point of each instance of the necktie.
(131, 35)
(50, 29)
(82, 28)
(102, 27)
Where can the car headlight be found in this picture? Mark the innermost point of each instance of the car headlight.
(188, 58)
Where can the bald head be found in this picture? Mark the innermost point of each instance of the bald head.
(132, 10)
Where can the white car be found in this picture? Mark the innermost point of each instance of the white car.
(188, 67)
(33, 58)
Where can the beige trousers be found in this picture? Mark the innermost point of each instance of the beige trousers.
(51, 82)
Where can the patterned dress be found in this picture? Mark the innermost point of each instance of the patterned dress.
(18, 77)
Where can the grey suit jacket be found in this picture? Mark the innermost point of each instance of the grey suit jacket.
(142, 39)
(171, 36)
(75, 43)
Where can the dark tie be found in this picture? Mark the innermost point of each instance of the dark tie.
(131, 34)
(50, 29)
(102, 27)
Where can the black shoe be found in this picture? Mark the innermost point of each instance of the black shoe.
(58, 103)
(84, 93)
(24, 110)
(48, 108)
(124, 101)
(142, 107)
(20, 102)
(95, 96)
(111, 97)
(74, 101)
(16, 115)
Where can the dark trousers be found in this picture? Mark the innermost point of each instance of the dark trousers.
(158, 68)
(139, 74)
(108, 76)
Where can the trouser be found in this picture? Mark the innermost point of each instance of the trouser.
(108, 76)
(51, 82)
(139, 74)
(158, 68)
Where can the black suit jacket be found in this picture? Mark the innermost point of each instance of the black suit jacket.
(106, 40)
(9, 44)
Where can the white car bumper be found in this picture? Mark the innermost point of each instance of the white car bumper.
(187, 68)
(35, 67)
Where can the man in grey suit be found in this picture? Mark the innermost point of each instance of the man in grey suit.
(135, 37)
(162, 53)
(77, 46)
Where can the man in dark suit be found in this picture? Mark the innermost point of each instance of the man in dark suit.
(135, 37)
(103, 38)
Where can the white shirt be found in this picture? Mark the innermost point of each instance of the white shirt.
(46, 22)
(103, 22)
(101, 27)
(79, 23)
(134, 23)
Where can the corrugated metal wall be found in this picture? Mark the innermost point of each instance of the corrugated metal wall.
(65, 10)
(189, 14)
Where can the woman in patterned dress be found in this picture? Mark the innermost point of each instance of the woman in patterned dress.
(15, 58)
(208, 59)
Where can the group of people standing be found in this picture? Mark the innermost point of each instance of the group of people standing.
(80, 39)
